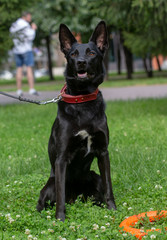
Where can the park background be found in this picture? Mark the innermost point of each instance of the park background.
(138, 129)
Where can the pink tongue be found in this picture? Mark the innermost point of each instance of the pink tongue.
(82, 75)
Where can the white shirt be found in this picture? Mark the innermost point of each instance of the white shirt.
(23, 35)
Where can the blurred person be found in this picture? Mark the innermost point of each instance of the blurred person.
(23, 33)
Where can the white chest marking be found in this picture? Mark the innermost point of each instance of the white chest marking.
(84, 134)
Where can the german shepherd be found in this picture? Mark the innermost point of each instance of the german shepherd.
(80, 132)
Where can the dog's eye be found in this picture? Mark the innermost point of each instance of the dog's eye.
(91, 53)
(74, 54)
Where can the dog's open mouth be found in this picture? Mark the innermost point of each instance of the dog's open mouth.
(82, 74)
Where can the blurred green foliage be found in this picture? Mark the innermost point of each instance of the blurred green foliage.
(9, 12)
(141, 23)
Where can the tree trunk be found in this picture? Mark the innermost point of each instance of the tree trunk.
(129, 62)
(49, 58)
(118, 53)
(159, 66)
(145, 64)
(128, 58)
(148, 68)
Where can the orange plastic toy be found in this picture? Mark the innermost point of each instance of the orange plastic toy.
(138, 233)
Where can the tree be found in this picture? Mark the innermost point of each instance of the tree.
(117, 14)
(9, 12)
(142, 26)
(149, 36)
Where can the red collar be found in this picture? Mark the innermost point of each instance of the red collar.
(79, 98)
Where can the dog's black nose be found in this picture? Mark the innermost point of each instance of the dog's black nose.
(81, 63)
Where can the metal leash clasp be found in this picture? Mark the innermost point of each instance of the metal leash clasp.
(54, 100)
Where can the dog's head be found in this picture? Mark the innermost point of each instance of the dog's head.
(85, 69)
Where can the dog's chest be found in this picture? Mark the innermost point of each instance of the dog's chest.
(84, 135)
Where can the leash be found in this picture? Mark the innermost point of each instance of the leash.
(54, 100)
(63, 96)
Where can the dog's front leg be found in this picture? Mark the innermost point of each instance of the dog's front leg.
(60, 179)
(104, 167)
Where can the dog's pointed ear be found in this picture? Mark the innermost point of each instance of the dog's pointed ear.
(100, 36)
(66, 38)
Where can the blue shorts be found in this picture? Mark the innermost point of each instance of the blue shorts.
(24, 59)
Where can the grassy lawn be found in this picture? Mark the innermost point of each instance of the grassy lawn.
(138, 153)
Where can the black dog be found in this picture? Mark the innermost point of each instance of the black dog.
(80, 131)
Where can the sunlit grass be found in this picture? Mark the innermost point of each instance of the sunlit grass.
(138, 154)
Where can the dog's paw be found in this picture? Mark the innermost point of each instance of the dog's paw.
(111, 205)
(60, 216)
(39, 207)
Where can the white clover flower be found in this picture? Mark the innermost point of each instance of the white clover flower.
(96, 236)
(48, 217)
(130, 208)
(50, 230)
(95, 226)
(158, 171)
(15, 182)
(13, 237)
(152, 236)
(124, 204)
(43, 232)
(103, 228)
(153, 228)
(78, 226)
(11, 220)
(35, 238)
(61, 238)
(27, 231)
(124, 234)
(17, 216)
(139, 188)
(158, 187)
(72, 228)
(107, 224)
(105, 216)
(48, 212)
(30, 237)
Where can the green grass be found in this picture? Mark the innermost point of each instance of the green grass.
(138, 153)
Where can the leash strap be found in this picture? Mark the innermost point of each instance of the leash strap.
(63, 96)
(54, 100)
